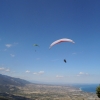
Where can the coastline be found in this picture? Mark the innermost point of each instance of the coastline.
(89, 88)
(80, 89)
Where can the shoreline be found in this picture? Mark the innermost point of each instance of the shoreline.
(80, 89)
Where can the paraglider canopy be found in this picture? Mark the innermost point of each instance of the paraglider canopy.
(35, 45)
(61, 40)
(65, 60)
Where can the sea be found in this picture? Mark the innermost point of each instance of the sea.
(87, 87)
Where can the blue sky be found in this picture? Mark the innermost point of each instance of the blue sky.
(27, 22)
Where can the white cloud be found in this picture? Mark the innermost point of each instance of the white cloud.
(1, 69)
(77, 75)
(59, 76)
(7, 70)
(27, 71)
(4, 69)
(12, 55)
(8, 45)
(82, 73)
(41, 72)
(35, 73)
(38, 73)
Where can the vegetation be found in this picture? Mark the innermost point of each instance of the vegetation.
(98, 91)
(3, 98)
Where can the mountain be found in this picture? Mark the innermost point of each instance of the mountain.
(7, 80)
(10, 86)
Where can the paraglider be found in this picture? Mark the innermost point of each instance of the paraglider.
(61, 40)
(65, 60)
(36, 45)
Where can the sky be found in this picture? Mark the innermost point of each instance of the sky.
(24, 23)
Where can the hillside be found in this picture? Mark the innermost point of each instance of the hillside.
(9, 86)
(7, 80)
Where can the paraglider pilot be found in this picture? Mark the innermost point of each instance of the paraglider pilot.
(65, 60)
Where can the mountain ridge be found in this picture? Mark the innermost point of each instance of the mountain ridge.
(8, 80)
